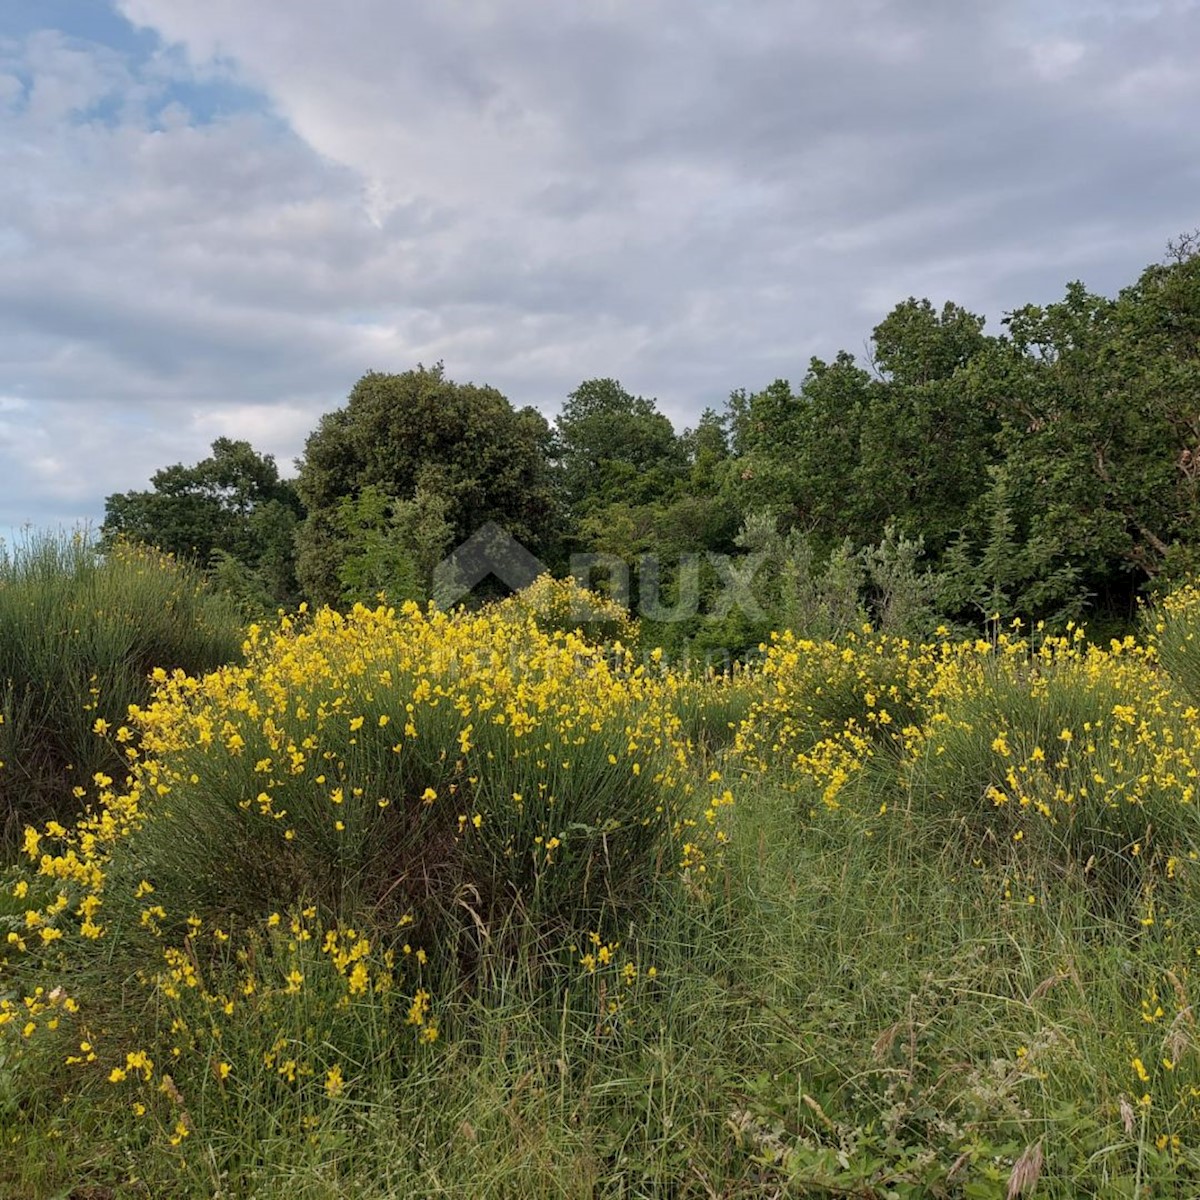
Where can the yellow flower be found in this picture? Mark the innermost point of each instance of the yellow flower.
(335, 1084)
(139, 1060)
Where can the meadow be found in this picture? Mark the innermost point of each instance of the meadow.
(394, 902)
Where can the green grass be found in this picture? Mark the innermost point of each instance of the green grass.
(79, 634)
(845, 1015)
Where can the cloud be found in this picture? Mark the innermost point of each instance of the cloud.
(216, 223)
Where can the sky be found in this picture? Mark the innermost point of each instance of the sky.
(215, 215)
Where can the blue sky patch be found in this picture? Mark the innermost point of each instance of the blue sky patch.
(88, 20)
(164, 70)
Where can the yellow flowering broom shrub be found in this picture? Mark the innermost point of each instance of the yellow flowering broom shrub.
(390, 764)
(310, 847)
(562, 606)
(828, 709)
(714, 705)
(1081, 755)
(1173, 629)
(1046, 751)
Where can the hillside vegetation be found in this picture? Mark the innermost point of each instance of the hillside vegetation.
(399, 902)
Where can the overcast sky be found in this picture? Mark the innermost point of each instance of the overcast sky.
(215, 215)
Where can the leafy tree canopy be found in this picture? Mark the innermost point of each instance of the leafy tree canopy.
(229, 506)
(614, 446)
(415, 431)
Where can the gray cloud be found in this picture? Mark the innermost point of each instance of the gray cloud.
(692, 197)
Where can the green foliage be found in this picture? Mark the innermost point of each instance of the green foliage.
(915, 346)
(80, 631)
(421, 432)
(390, 547)
(614, 446)
(798, 454)
(1097, 400)
(851, 450)
(231, 511)
(887, 585)
(812, 601)
(1012, 571)
(905, 594)
(1051, 471)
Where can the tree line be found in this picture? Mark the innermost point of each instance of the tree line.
(1048, 471)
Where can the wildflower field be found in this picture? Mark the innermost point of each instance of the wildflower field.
(394, 902)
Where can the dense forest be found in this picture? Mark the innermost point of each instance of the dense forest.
(1046, 472)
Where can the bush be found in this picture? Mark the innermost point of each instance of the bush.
(321, 853)
(1173, 629)
(811, 691)
(1056, 756)
(1081, 755)
(80, 633)
(562, 606)
(712, 706)
(436, 770)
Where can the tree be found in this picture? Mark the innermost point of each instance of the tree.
(231, 507)
(852, 450)
(391, 546)
(832, 497)
(916, 345)
(419, 431)
(1098, 401)
(614, 446)
(926, 443)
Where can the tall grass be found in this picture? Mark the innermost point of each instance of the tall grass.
(846, 1015)
(80, 633)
